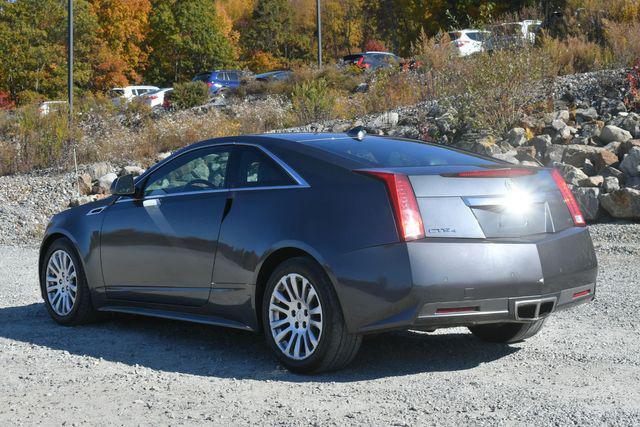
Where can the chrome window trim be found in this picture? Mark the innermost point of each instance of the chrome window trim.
(300, 182)
(288, 169)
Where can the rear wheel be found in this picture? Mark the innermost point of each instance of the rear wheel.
(302, 320)
(507, 332)
(64, 285)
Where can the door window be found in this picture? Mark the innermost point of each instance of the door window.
(204, 169)
(255, 169)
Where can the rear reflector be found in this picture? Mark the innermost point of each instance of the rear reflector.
(569, 200)
(492, 173)
(405, 205)
(455, 310)
(581, 294)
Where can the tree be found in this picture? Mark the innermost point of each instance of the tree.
(186, 37)
(270, 28)
(123, 25)
(33, 49)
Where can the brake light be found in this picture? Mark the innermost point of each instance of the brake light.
(569, 199)
(209, 84)
(153, 97)
(405, 205)
(492, 173)
(360, 62)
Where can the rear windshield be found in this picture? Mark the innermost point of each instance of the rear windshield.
(455, 35)
(392, 153)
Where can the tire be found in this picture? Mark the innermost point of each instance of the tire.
(318, 307)
(507, 333)
(80, 309)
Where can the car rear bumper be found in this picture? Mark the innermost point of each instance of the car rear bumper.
(435, 283)
(499, 310)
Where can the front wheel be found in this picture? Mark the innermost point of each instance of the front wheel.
(507, 333)
(302, 319)
(64, 285)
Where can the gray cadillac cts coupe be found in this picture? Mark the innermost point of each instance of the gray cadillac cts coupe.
(318, 239)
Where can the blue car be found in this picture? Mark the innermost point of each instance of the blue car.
(219, 79)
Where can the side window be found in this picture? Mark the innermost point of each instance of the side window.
(233, 76)
(253, 168)
(203, 169)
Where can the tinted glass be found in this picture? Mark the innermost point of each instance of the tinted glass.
(232, 75)
(203, 169)
(253, 168)
(201, 77)
(388, 153)
(475, 36)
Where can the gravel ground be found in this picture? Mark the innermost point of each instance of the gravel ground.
(583, 368)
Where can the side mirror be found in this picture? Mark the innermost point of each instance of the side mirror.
(123, 186)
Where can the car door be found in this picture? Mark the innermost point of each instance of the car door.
(261, 188)
(159, 247)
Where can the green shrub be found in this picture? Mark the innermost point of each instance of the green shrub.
(312, 101)
(189, 95)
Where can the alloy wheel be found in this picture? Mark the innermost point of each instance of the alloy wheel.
(61, 283)
(295, 316)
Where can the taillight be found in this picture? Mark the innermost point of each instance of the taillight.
(153, 97)
(569, 199)
(209, 84)
(360, 62)
(405, 205)
(492, 173)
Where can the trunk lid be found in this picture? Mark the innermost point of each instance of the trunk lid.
(525, 203)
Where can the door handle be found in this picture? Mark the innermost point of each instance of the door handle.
(150, 203)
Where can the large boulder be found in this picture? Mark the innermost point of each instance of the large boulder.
(131, 170)
(104, 183)
(631, 123)
(98, 170)
(554, 154)
(84, 184)
(614, 134)
(576, 155)
(631, 162)
(592, 181)
(623, 203)
(586, 115)
(540, 143)
(625, 147)
(587, 199)
(571, 174)
(384, 121)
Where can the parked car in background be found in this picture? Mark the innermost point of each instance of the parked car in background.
(372, 61)
(51, 106)
(156, 98)
(530, 29)
(220, 80)
(513, 35)
(468, 41)
(271, 76)
(318, 239)
(125, 94)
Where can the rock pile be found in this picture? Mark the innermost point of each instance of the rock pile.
(590, 137)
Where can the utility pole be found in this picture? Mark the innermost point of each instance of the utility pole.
(70, 85)
(319, 24)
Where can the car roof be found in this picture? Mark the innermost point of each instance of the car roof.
(306, 143)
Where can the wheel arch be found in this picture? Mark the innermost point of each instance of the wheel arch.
(272, 261)
(48, 240)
